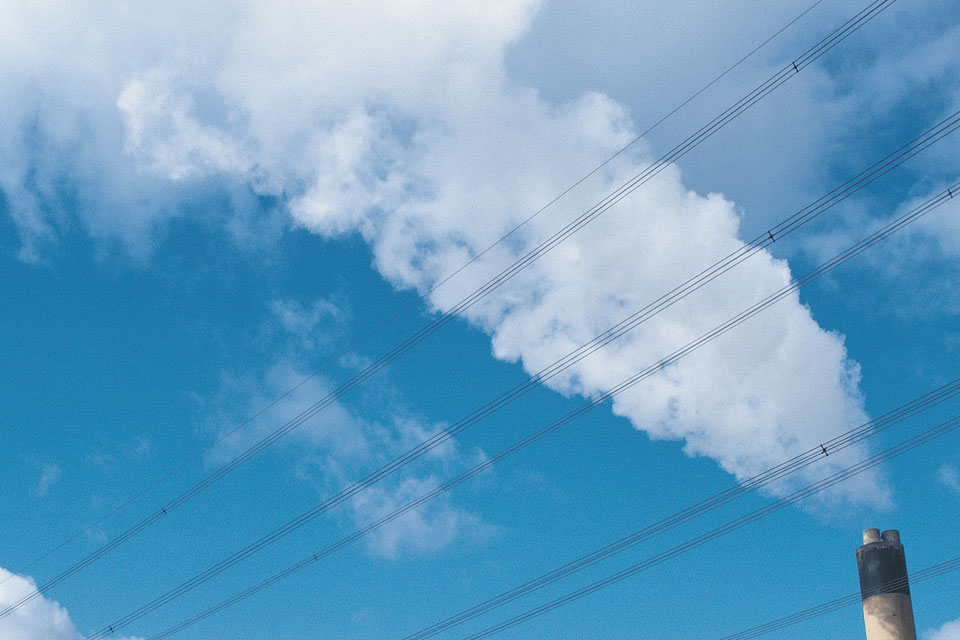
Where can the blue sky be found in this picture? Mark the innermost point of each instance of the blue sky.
(199, 208)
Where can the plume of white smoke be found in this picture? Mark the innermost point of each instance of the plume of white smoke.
(400, 123)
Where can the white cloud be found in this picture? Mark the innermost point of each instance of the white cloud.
(41, 619)
(319, 324)
(188, 148)
(401, 124)
(915, 269)
(941, 229)
(428, 528)
(949, 631)
(50, 473)
(949, 478)
(338, 445)
(335, 429)
(889, 77)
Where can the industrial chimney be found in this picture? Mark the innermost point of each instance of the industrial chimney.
(887, 610)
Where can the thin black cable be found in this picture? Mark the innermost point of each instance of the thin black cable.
(296, 523)
(917, 577)
(881, 165)
(755, 515)
(813, 489)
(815, 454)
(807, 58)
(620, 151)
(418, 299)
(317, 510)
(891, 227)
(835, 445)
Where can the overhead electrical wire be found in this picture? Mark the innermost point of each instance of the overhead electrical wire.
(799, 495)
(906, 151)
(807, 58)
(812, 455)
(917, 577)
(855, 250)
(936, 133)
(854, 436)
(418, 299)
(837, 195)
(694, 543)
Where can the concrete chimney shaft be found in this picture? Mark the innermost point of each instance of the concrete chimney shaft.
(884, 589)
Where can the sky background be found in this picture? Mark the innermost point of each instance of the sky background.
(199, 207)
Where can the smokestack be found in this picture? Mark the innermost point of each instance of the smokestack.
(887, 610)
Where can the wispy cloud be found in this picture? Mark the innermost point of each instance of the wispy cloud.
(122, 456)
(50, 474)
(429, 528)
(315, 326)
(949, 631)
(338, 446)
(344, 441)
(949, 477)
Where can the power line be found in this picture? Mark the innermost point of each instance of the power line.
(419, 298)
(810, 56)
(813, 489)
(237, 557)
(816, 453)
(462, 424)
(518, 391)
(923, 575)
